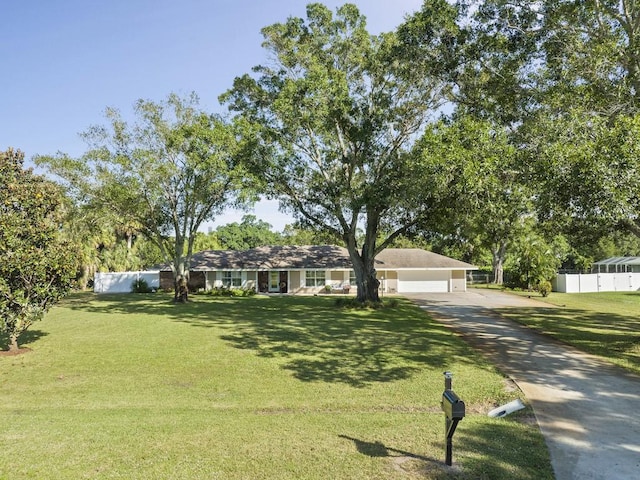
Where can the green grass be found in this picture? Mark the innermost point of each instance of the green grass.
(605, 324)
(134, 387)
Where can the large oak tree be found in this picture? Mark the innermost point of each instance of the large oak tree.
(331, 120)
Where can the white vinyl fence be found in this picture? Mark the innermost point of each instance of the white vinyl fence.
(120, 282)
(596, 282)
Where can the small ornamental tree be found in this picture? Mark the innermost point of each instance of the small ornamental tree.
(36, 268)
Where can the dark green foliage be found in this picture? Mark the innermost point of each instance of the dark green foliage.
(231, 292)
(249, 233)
(353, 303)
(141, 286)
(36, 267)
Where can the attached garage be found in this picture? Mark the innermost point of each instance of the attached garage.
(411, 270)
(412, 281)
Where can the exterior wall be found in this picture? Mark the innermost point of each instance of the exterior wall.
(336, 276)
(597, 282)
(458, 281)
(388, 280)
(211, 279)
(197, 280)
(393, 282)
(120, 282)
(166, 280)
(295, 281)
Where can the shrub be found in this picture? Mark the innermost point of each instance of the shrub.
(231, 292)
(353, 303)
(544, 287)
(140, 286)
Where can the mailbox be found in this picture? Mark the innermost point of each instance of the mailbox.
(453, 409)
(452, 406)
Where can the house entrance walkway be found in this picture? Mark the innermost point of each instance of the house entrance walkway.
(588, 410)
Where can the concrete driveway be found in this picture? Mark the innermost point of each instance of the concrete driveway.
(588, 410)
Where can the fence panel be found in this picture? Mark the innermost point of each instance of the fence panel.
(597, 282)
(120, 282)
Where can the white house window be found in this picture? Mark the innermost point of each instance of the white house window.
(315, 278)
(231, 279)
(352, 278)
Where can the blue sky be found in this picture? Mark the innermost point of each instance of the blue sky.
(65, 61)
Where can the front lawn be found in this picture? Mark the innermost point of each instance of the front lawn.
(606, 324)
(135, 387)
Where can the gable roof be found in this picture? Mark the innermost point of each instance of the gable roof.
(407, 258)
(317, 257)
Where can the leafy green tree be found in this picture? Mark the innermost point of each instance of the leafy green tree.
(591, 53)
(37, 267)
(168, 173)
(578, 71)
(535, 260)
(490, 198)
(496, 56)
(554, 54)
(208, 241)
(329, 123)
(249, 233)
(300, 234)
(589, 167)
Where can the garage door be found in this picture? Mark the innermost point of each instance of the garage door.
(423, 281)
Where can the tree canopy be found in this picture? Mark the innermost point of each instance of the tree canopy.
(167, 173)
(37, 268)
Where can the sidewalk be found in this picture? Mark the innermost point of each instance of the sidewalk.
(587, 410)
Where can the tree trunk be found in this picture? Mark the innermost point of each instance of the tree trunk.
(181, 290)
(181, 281)
(366, 279)
(497, 262)
(13, 343)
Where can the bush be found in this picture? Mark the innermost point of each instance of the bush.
(141, 286)
(231, 292)
(353, 303)
(544, 287)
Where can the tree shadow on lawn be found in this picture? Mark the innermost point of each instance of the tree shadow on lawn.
(26, 338)
(317, 340)
(605, 334)
(502, 450)
(324, 343)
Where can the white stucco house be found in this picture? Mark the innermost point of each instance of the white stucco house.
(309, 269)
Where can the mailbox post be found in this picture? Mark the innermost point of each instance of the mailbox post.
(454, 411)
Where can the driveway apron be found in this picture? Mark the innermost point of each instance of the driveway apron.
(587, 410)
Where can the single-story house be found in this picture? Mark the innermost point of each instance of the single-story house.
(309, 269)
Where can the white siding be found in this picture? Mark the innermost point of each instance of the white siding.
(423, 281)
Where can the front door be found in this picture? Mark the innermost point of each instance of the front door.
(273, 281)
